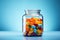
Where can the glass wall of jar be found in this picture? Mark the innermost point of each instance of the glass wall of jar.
(32, 23)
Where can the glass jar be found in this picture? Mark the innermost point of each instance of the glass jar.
(32, 23)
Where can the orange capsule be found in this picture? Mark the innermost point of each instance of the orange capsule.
(33, 19)
(37, 22)
(28, 20)
(40, 22)
(27, 28)
(31, 23)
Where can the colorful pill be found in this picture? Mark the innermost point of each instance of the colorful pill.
(30, 32)
(39, 31)
(27, 28)
(40, 22)
(27, 23)
(40, 25)
(31, 29)
(36, 25)
(33, 26)
(35, 30)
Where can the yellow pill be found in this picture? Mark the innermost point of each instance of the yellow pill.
(31, 29)
(27, 23)
(37, 22)
(30, 32)
(39, 31)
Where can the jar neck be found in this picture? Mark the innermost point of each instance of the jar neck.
(32, 12)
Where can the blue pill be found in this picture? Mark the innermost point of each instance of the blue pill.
(35, 30)
(33, 26)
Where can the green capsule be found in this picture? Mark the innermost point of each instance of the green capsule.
(29, 26)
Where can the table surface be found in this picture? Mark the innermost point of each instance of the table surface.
(55, 35)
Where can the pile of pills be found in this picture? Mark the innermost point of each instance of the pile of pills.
(33, 27)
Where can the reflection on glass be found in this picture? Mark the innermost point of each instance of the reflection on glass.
(33, 38)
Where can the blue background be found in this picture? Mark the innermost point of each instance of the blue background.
(11, 12)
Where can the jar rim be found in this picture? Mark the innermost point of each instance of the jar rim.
(32, 10)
